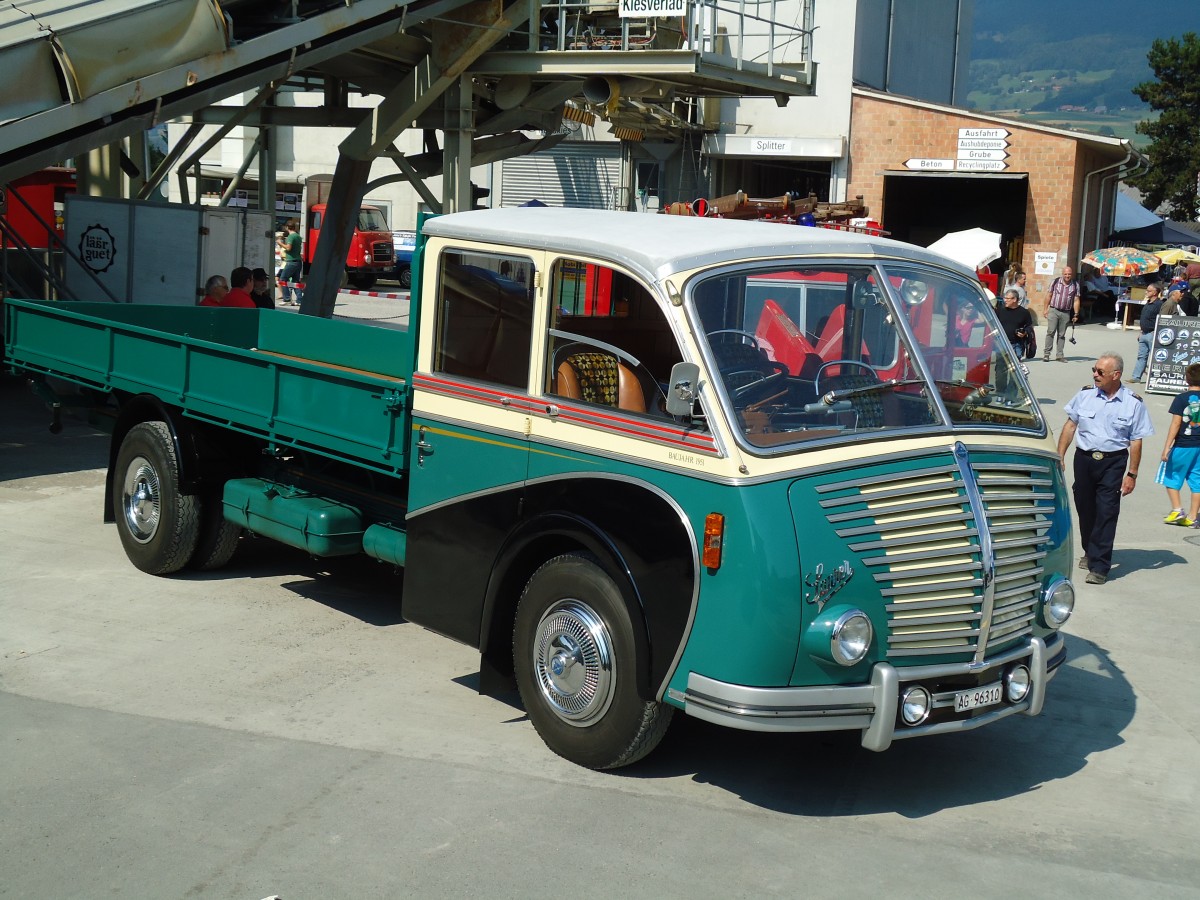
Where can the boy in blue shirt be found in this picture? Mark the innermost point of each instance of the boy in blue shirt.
(1181, 451)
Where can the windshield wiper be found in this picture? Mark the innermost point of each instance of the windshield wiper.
(833, 396)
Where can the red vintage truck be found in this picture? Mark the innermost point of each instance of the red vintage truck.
(370, 255)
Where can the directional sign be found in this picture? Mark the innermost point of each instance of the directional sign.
(930, 165)
(981, 165)
(981, 144)
(995, 133)
(983, 154)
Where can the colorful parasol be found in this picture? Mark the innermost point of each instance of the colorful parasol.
(1175, 256)
(1122, 261)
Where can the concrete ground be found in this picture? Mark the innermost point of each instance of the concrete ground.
(277, 728)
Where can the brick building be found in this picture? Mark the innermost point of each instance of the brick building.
(925, 169)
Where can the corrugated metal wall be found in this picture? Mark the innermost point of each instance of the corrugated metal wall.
(581, 175)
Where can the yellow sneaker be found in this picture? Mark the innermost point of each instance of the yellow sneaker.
(1176, 517)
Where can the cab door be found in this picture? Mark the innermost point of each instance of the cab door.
(469, 451)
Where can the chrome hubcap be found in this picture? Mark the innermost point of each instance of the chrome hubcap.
(141, 500)
(573, 662)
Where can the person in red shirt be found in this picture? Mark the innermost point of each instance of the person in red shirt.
(215, 290)
(241, 280)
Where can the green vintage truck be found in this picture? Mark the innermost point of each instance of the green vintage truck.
(779, 478)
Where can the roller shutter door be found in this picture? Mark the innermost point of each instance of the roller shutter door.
(579, 175)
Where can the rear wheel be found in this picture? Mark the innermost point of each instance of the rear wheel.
(406, 278)
(574, 656)
(218, 537)
(158, 524)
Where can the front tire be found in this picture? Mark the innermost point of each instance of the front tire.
(158, 524)
(575, 662)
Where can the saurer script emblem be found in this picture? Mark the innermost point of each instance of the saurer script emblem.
(825, 586)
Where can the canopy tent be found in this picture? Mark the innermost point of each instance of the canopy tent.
(1134, 224)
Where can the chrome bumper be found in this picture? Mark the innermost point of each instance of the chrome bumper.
(871, 707)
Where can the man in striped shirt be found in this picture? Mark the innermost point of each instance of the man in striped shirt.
(1061, 309)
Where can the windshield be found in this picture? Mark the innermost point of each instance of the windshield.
(371, 219)
(807, 352)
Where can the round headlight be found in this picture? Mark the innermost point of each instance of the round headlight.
(915, 704)
(1058, 602)
(851, 638)
(1017, 683)
(367, 257)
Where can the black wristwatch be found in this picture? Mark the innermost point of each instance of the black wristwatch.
(1132, 475)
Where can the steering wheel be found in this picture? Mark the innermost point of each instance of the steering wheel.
(746, 369)
(841, 362)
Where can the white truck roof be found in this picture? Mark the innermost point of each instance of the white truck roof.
(660, 245)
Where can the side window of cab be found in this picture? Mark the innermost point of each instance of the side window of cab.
(484, 317)
(608, 343)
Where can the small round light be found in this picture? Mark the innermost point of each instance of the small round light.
(367, 257)
(1017, 683)
(1058, 602)
(851, 638)
(915, 704)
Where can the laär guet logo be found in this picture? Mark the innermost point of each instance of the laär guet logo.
(97, 248)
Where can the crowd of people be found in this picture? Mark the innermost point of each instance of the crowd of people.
(1107, 422)
(251, 288)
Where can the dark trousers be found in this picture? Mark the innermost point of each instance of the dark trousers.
(1097, 492)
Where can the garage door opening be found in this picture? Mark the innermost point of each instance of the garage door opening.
(921, 207)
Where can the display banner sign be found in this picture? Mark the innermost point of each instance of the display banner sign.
(1176, 346)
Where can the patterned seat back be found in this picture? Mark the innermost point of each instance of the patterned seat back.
(600, 378)
(869, 406)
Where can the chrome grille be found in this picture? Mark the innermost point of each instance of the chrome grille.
(915, 533)
(382, 251)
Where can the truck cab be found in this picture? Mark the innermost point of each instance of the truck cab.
(370, 255)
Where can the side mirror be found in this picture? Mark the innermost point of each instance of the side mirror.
(683, 389)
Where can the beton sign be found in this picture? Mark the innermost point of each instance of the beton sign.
(930, 165)
(643, 8)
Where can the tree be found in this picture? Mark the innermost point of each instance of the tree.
(1174, 149)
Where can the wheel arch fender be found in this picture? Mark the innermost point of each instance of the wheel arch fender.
(533, 542)
(652, 555)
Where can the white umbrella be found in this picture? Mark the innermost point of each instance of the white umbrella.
(974, 248)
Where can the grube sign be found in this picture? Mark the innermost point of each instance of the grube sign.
(982, 149)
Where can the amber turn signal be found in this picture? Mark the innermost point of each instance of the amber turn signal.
(714, 538)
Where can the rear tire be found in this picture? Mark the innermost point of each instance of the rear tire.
(575, 661)
(158, 524)
(218, 539)
(406, 278)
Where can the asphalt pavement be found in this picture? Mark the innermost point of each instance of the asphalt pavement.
(278, 728)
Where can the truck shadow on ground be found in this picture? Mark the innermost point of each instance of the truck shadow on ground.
(356, 586)
(1088, 706)
(31, 449)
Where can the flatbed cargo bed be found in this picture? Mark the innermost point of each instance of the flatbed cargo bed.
(338, 389)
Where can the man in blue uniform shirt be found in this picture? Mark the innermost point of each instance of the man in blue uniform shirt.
(1107, 422)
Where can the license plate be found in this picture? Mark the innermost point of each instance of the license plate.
(973, 699)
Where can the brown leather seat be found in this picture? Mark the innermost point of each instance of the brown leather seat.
(599, 378)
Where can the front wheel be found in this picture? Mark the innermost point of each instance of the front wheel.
(158, 524)
(575, 662)
(362, 282)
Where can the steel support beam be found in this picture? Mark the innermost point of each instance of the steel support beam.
(476, 29)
